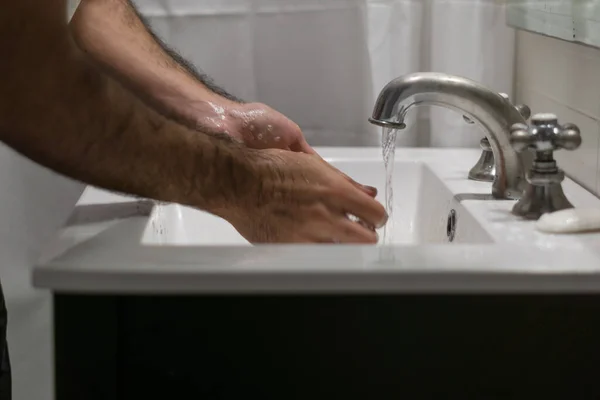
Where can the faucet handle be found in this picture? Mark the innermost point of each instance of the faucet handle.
(545, 135)
(543, 192)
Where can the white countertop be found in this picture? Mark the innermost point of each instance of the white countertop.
(100, 252)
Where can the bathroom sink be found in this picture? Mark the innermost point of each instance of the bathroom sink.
(449, 235)
(425, 211)
(434, 203)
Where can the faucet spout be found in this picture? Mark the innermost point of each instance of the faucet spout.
(492, 112)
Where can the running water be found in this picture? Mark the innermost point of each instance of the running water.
(389, 150)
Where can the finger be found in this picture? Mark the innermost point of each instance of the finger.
(365, 225)
(370, 190)
(302, 146)
(342, 230)
(361, 205)
(362, 223)
(318, 156)
(352, 232)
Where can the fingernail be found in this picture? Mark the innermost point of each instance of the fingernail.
(382, 223)
(370, 189)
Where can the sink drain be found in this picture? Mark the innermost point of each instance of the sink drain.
(451, 225)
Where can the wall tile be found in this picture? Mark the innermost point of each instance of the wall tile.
(581, 164)
(562, 78)
(597, 191)
(565, 71)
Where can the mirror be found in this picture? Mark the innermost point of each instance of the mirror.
(573, 20)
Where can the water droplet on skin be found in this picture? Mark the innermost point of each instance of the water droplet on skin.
(251, 128)
(277, 138)
(217, 109)
(214, 122)
(270, 128)
(260, 136)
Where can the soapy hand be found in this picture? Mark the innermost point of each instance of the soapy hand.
(303, 199)
(261, 127)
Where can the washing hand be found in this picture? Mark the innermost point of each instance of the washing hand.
(303, 199)
(256, 125)
(261, 127)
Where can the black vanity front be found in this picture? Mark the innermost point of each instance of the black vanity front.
(326, 347)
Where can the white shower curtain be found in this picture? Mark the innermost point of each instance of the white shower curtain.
(323, 62)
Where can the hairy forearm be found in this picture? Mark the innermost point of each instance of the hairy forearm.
(61, 112)
(200, 77)
(113, 34)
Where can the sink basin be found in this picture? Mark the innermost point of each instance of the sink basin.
(422, 208)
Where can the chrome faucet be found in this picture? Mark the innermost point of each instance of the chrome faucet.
(477, 103)
(484, 170)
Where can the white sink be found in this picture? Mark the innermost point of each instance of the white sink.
(119, 244)
(422, 204)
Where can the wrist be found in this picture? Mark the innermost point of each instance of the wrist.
(236, 181)
(209, 114)
(251, 123)
(256, 181)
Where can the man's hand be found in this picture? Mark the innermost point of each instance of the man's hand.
(260, 127)
(302, 199)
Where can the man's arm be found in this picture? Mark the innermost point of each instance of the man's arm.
(112, 34)
(58, 110)
(61, 112)
(115, 36)
(191, 69)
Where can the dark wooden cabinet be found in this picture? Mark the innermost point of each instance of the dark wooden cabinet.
(327, 347)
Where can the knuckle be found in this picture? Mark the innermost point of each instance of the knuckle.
(318, 211)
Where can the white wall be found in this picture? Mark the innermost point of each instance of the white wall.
(324, 62)
(564, 78)
(34, 203)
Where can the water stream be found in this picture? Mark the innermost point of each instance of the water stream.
(388, 145)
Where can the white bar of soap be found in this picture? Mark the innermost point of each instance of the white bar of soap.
(572, 220)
